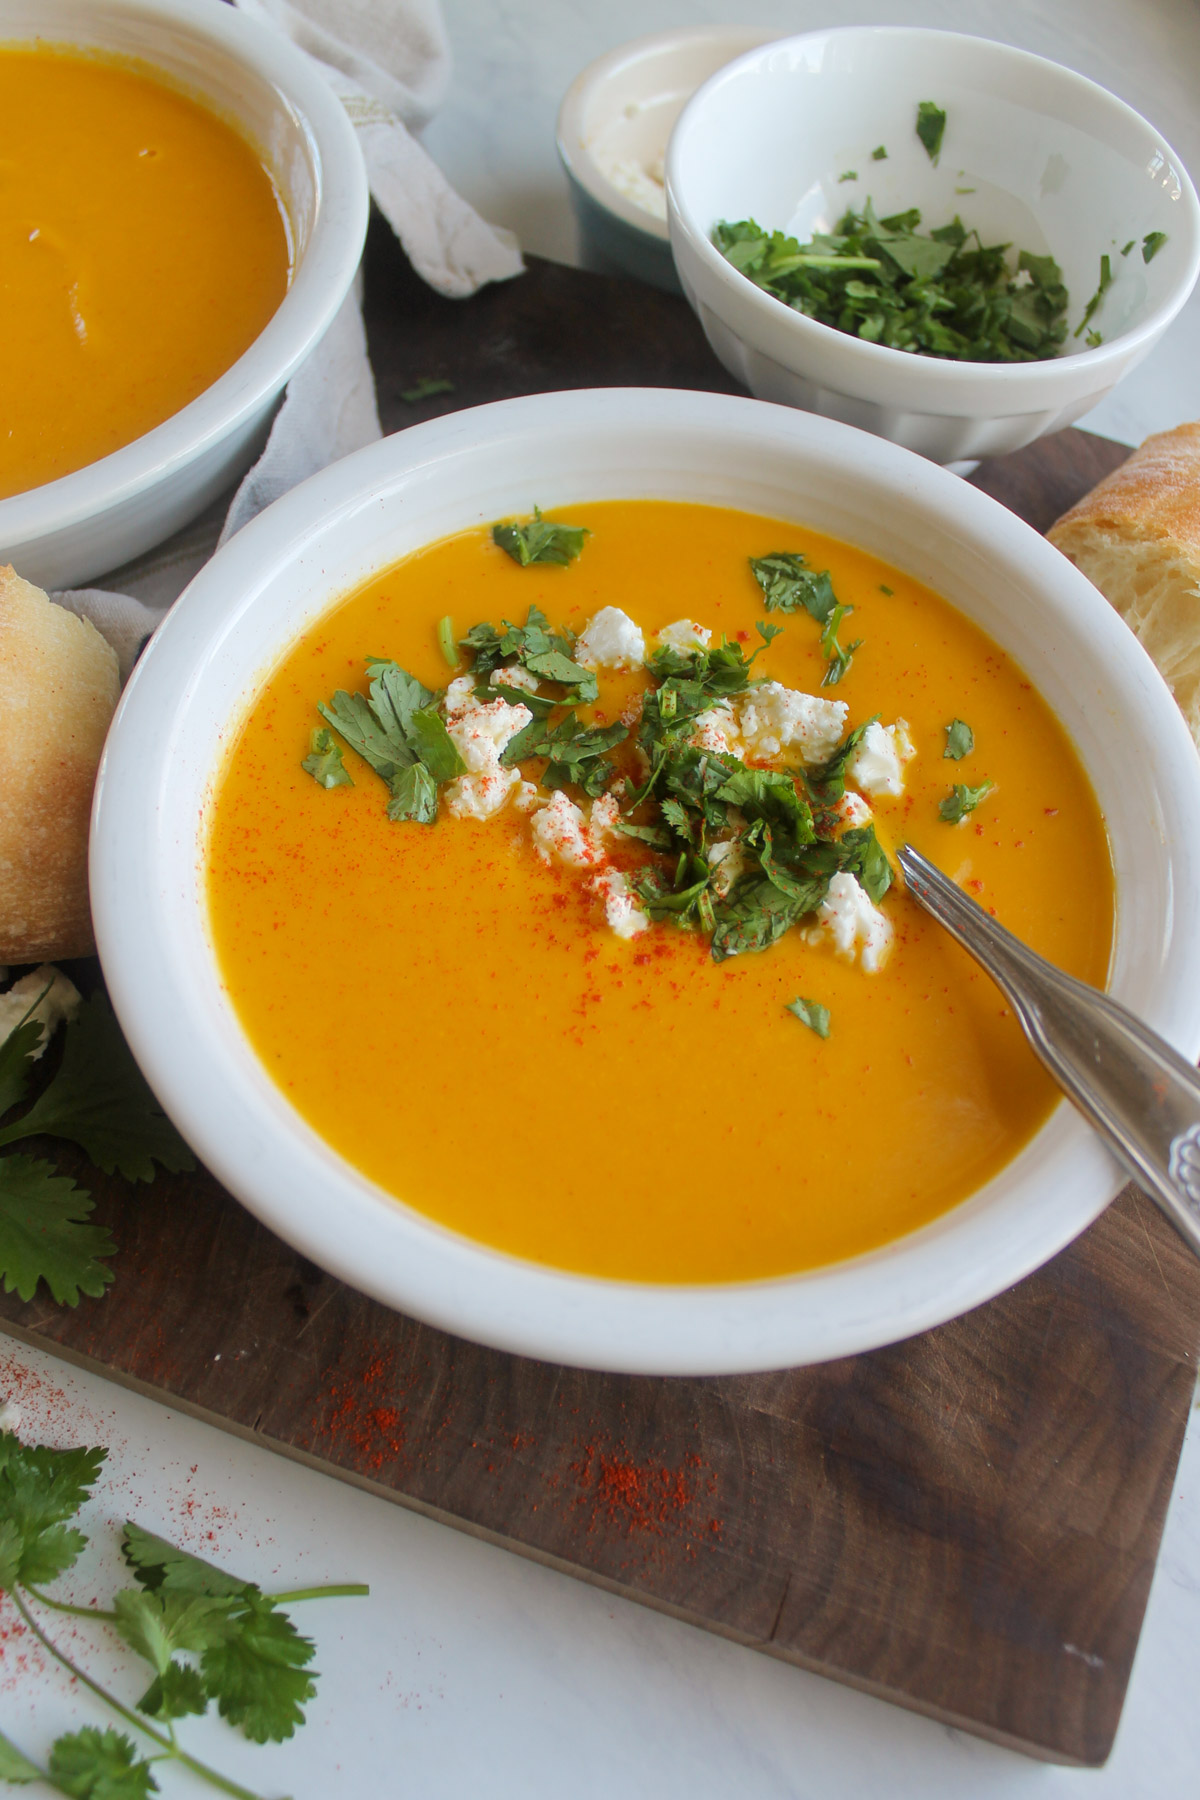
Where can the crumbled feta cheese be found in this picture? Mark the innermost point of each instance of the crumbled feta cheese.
(479, 796)
(60, 1001)
(481, 733)
(855, 923)
(604, 818)
(621, 910)
(716, 730)
(853, 810)
(728, 859)
(560, 836)
(685, 634)
(611, 640)
(527, 797)
(773, 718)
(878, 763)
(513, 675)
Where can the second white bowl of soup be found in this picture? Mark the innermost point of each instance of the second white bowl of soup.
(450, 1040)
(183, 212)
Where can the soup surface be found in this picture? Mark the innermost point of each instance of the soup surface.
(143, 248)
(455, 1016)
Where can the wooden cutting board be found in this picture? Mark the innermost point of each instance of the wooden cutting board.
(965, 1523)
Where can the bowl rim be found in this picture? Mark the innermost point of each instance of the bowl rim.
(147, 890)
(315, 293)
(573, 150)
(936, 374)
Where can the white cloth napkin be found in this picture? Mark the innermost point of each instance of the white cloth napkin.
(389, 63)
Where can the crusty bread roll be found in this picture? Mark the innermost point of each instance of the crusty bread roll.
(58, 689)
(1137, 538)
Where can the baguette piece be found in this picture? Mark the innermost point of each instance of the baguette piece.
(1136, 537)
(58, 690)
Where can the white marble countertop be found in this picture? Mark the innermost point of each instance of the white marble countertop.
(470, 1670)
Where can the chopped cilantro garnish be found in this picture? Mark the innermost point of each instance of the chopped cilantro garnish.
(812, 1014)
(1106, 279)
(943, 293)
(962, 800)
(425, 388)
(324, 762)
(931, 124)
(789, 585)
(884, 589)
(1126, 248)
(1152, 243)
(398, 732)
(446, 641)
(960, 740)
(879, 153)
(540, 541)
(839, 659)
(850, 175)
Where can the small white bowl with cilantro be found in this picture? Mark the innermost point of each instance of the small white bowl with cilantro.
(943, 240)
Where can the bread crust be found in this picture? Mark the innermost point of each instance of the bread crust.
(1154, 497)
(58, 689)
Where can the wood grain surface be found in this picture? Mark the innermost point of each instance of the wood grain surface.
(965, 1523)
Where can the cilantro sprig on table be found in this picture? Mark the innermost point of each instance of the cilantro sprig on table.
(208, 1637)
(97, 1098)
(941, 293)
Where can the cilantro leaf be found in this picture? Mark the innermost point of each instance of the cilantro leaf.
(812, 1014)
(15, 1766)
(43, 1236)
(434, 746)
(158, 1564)
(828, 779)
(1152, 243)
(100, 1100)
(879, 153)
(789, 585)
(324, 761)
(100, 1765)
(354, 719)
(157, 1624)
(961, 800)
(40, 1489)
(850, 175)
(17, 1052)
(174, 1693)
(931, 124)
(540, 541)
(868, 861)
(414, 796)
(960, 740)
(259, 1675)
(755, 916)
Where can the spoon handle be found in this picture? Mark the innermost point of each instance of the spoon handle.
(1140, 1095)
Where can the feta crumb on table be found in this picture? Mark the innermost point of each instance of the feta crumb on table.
(611, 640)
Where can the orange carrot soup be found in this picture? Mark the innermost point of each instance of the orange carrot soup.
(558, 895)
(143, 247)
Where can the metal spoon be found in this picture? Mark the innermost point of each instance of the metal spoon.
(1139, 1094)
